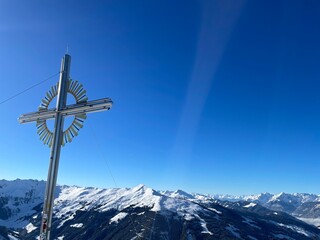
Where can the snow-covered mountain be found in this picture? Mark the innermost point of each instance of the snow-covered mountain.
(142, 213)
(301, 205)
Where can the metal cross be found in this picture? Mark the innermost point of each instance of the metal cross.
(58, 137)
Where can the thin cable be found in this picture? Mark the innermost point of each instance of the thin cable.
(29, 88)
(104, 158)
(114, 181)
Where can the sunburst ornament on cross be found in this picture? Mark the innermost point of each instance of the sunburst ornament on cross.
(59, 137)
(77, 91)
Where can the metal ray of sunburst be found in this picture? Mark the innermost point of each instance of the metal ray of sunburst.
(57, 138)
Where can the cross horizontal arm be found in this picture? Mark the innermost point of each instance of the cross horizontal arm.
(70, 110)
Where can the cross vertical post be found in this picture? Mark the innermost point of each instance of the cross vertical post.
(55, 149)
(59, 137)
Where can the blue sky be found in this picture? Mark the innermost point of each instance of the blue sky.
(209, 96)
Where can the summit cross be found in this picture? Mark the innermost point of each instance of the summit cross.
(59, 137)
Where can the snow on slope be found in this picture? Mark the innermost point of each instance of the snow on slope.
(72, 199)
(18, 197)
(178, 194)
(21, 196)
(267, 198)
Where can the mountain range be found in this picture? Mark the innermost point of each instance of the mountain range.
(143, 213)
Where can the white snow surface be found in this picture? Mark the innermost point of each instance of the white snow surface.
(294, 228)
(204, 226)
(72, 199)
(250, 205)
(312, 221)
(30, 227)
(178, 194)
(215, 210)
(264, 198)
(24, 195)
(77, 225)
(118, 217)
(75, 198)
(12, 237)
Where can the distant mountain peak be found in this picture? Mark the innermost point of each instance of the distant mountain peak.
(182, 194)
(139, 187)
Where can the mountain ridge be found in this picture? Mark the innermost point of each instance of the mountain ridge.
(126, 213)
